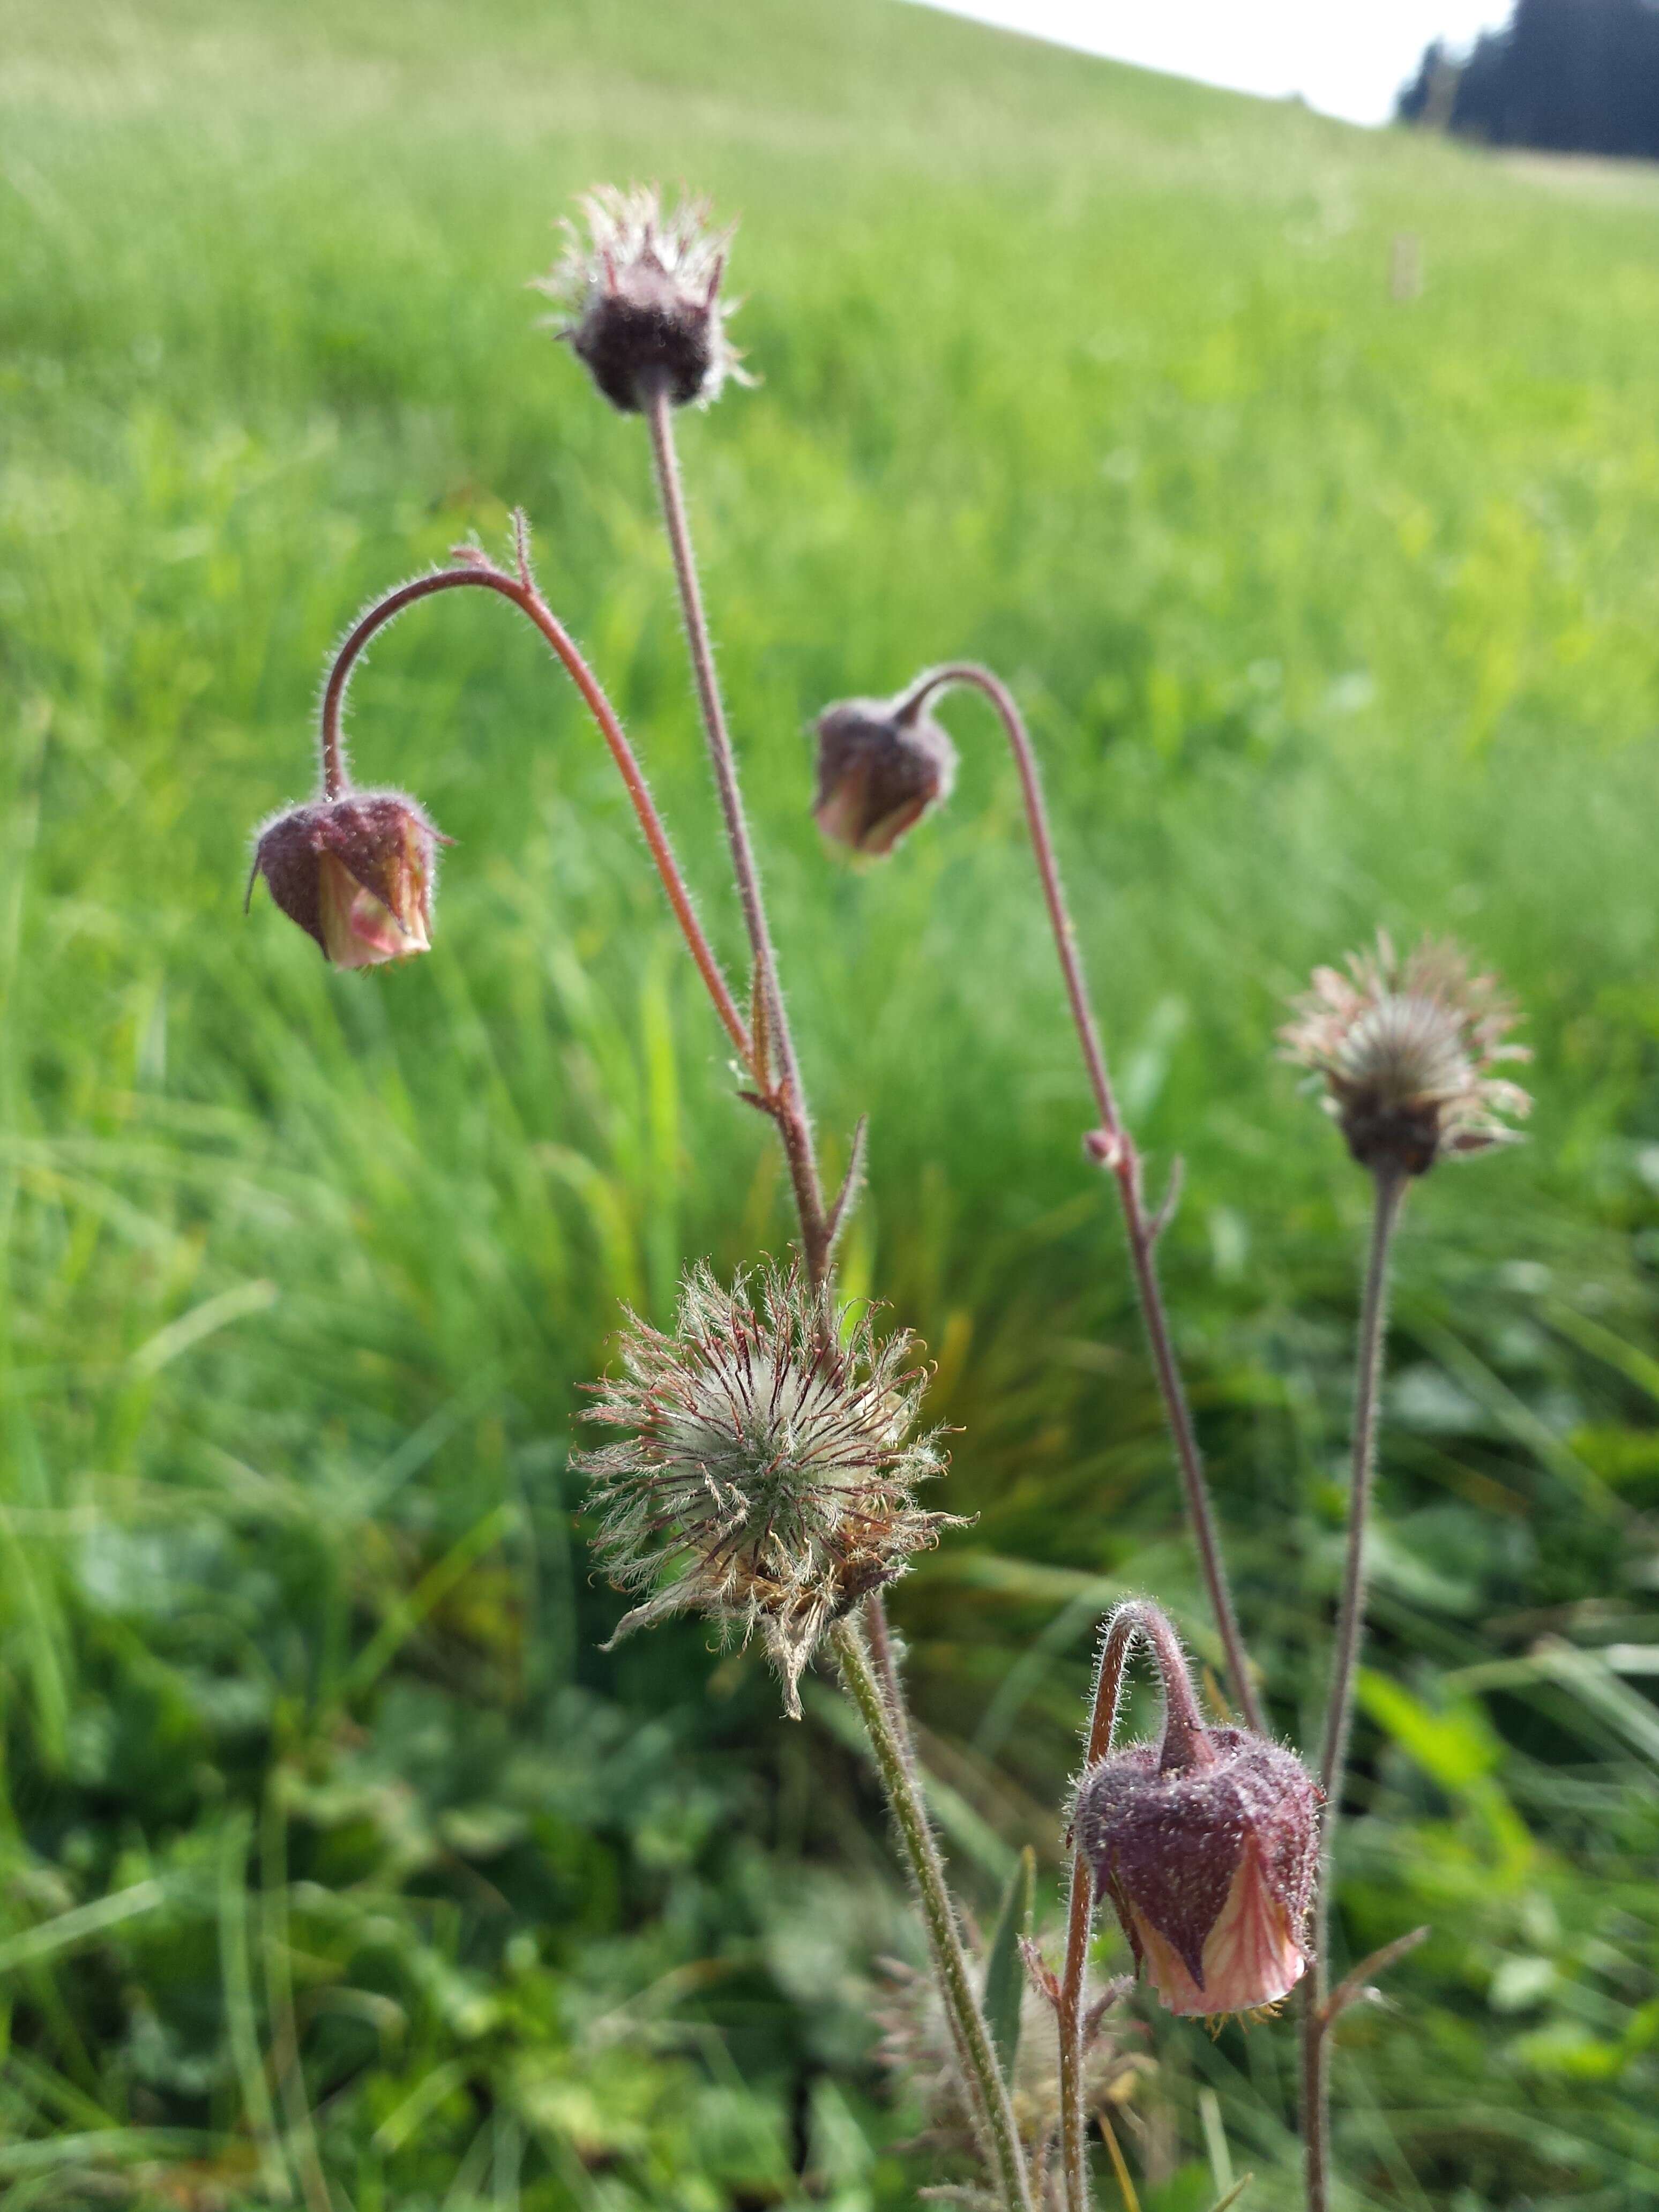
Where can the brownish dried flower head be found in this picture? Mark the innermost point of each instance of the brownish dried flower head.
(356, 872)
(917, 2052)
(641, 298)
(767, 1481)
(882, 763)
(1207, 1843)
(1406, 1048)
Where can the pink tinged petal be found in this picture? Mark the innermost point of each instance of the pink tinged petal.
(359, 930)
(1251, 1954)
(847, 817)
(840, 816)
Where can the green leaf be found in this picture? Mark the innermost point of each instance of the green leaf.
(1005, 1971)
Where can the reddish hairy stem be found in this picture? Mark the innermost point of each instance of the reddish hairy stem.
(529, 602)
(1181, 1719)
(1119, 1153)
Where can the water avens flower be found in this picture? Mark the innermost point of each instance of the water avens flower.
(356, 872)
(767, 1479)
(1406, 1048)
(1207, 1845)
(640, 293)
(881, 765)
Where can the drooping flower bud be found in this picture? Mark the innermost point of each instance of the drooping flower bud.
(1207, 1845)
(882, 763)
(641, 296)
(1405, 1048)
(769, 1481)
(355, 872)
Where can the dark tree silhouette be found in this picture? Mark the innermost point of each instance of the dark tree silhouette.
(1574, 76)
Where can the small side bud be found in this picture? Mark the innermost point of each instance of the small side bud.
(641, 299)
(357, 873)
(1207, 1845)
(882, 764)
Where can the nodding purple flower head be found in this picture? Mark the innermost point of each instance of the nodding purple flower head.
(1207, 1845)
(882, 763)
(641, 295)
(356, 872)
(1406, 1048)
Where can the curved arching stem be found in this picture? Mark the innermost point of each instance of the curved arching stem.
(521, 592)
(1114, 1147)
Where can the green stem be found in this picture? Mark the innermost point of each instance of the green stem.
(988, 2090)
(1345, 1665)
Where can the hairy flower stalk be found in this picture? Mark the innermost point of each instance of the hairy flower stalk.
(768, 1479)
(991, 2106)
(1405, 1048)
(643, 296)
(1111, 1144)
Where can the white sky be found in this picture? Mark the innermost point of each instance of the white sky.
(1347, 58)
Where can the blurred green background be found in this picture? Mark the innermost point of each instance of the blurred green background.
(337, 1865)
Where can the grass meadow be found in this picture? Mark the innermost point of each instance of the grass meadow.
(337, 1866)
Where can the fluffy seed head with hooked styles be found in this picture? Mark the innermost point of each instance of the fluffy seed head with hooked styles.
(1406, 1048)
(640, 291)
(767, 1479)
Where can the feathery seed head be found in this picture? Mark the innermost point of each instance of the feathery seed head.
(1406, 1048)
(641, 298)
(357, 873)
(882, 763)
(767, 1481)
